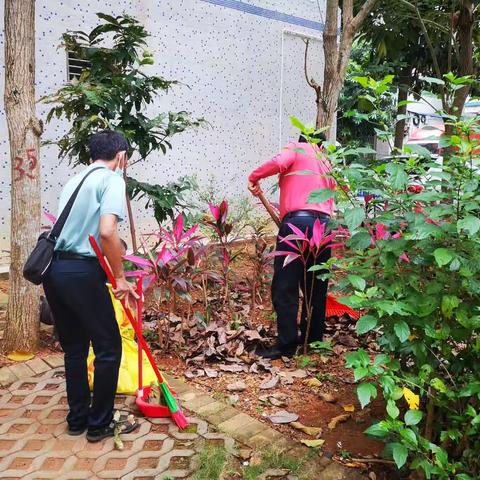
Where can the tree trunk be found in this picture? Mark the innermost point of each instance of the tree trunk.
(337, 55)
(403, 87)
(24, 130)
(465, 28)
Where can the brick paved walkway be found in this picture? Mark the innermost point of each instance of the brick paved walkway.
(34, 443)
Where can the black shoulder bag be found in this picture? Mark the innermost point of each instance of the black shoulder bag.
(41, 257)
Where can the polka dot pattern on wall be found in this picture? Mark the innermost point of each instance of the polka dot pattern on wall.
(230, 66)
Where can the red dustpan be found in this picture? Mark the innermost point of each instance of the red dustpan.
(152, 410)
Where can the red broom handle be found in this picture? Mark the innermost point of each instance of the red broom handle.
(139, 323)
(111, 279)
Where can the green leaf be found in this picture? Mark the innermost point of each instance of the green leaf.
(366, 323)
(398, 176)
(470, 223)
(360, 241)
(402, 330)
(360, 372)
(363, 81)
(400, 454)
(365, 393)
(439, 385)
(409, 435)
(354, 217)
(392, 409)
(449, 304)
(297, 123)
(413, 417)
(419, 150)
(378, 430)
(434, 80)
(321, 195)
(442, 256)
(357, 282)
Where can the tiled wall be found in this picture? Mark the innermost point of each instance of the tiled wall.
(242, 61)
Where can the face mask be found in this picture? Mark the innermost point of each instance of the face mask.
(119, 172)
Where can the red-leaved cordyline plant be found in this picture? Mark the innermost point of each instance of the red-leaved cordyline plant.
(222, 229)
(382, 233)
(308, 249)
(171, 267)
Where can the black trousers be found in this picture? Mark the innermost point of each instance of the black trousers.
(287, 283)
(83, 312)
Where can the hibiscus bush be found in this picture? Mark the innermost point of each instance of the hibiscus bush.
(413, 267)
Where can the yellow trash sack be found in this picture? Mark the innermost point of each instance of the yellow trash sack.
(128, 373)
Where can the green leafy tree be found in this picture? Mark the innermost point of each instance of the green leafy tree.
(413, 268)
(114, 91)
(426, 38)
(357, 116)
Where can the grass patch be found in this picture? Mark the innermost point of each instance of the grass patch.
(275, 459)
(211, 462)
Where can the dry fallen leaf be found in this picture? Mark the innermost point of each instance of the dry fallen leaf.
(237, 386)
(349, 408)
(338, 419)
(328, 397)
(312, 431)
(355, 465)
(282, 416)
(298, 373)
(313, 382)
(276, 402)
(270, 383)
(233, 368)
(313, 443)
(211, 373)
(20, 356)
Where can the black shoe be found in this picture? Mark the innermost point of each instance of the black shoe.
(275, 353)
(76, 431)
(99, 434)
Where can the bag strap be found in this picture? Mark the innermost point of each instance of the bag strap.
(60, 223)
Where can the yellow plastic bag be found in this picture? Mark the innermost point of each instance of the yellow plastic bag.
(128, 373)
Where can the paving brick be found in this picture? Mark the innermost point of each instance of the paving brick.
(6, 376)
(178, 385)
(267, 436)
(21, 370)
(197, 402)
(54, 361)
(217, 412)
(241, 427)
(38, 365)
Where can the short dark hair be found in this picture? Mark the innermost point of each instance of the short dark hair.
(105, 145)
(317, 136)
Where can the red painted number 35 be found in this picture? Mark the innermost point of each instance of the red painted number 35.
(26, 170)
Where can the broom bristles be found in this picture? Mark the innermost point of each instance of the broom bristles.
(180, 419)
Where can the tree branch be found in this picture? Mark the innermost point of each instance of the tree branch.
(307, 43)
(360, 17)
(427, 37)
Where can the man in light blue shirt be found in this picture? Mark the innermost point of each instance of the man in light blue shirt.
(75, 287)
(102, 193)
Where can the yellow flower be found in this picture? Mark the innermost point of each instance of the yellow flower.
(412, 399)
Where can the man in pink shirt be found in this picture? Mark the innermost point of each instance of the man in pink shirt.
(287, 281)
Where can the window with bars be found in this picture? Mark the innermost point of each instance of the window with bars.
(75, 66)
